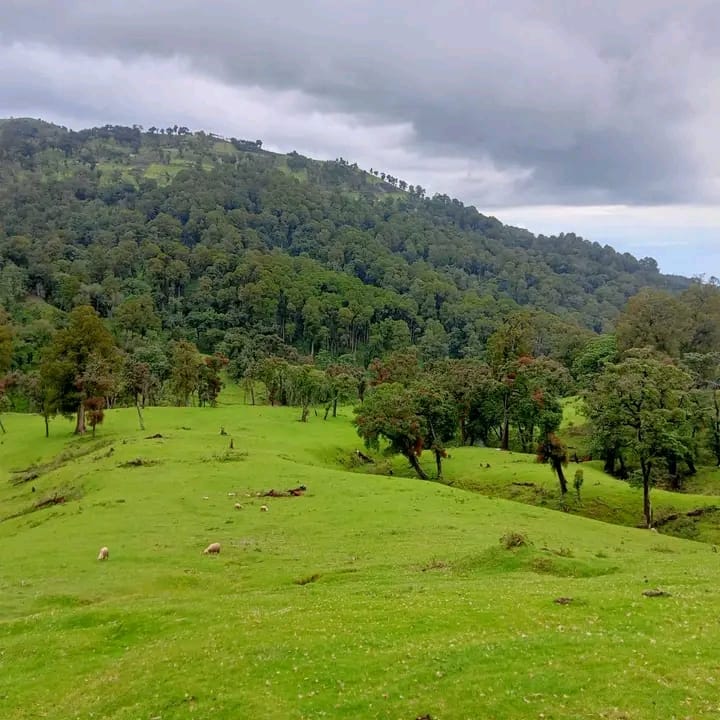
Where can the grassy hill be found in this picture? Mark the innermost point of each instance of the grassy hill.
(370, 596)
(217, 232)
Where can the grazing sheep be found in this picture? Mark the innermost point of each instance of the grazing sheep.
(212, 549)
(263, 508)
(104, 554)
(238, 506)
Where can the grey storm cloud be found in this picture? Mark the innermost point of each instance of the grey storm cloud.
(584, 101)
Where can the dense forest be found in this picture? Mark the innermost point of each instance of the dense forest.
(138, 266)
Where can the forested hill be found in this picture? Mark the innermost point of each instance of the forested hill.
(215, 240)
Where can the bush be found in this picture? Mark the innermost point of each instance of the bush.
(578, 481)
(512, 540)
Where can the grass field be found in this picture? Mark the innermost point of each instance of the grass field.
(368, 597)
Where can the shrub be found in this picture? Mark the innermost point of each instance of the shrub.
(578, 481)
(512, 540)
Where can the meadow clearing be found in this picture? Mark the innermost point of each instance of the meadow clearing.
(370, 596)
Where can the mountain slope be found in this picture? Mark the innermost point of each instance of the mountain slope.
(224, 235)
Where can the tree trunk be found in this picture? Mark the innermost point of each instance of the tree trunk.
(505, 441)
(691, 465)
(438, 463)
(140, 417)
(334, 407)
(412, 458)
(463, 435)
(623, 474)
(673, 472)
(80, 424)
(561, 477)
(46, 418)
(327, 412)
(305, 412)
(647, 510)
(609, 462)
(2, 427)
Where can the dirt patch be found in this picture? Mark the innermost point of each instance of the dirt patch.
(138, 462)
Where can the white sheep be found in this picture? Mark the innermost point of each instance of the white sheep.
(104, 554)
(238, 506)
(212, 549)
(263, 508)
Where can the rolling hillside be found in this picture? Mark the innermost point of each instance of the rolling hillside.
(368, 596)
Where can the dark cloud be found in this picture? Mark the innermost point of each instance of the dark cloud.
(572, 101)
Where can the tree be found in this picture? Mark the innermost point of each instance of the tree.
(474, 394)
(185, 362)
(210, 383)
(6, 342)
(136, 383)
(342, 385)
(597, 353)
(401, 366)
(6, 383)
(511, 341)
(641, 403)
(552, 451)
(6, 352)
(704, 368)
(80, 363)
(95, 412)
(439, 413)
(702, 300)
(535, 398)
(433, 345)
(306, 385)
(656, 319)
(39, 397)
(137, 315)
(272, 372)
(389, 412)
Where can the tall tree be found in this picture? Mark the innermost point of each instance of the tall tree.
(510, 342)
(390, 413)
(210, 380)
(185, 364)
(705, 371)
(306, 385)
(537, 386)
(642, 403)
(551, 450)
(40, 399)
(6, 342)
(6, 352)
(136, 383)
(81, 362)
(342, 385)
(440, 415)
(400, 366)
(656, 319)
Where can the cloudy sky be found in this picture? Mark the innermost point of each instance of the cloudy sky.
(563, 115)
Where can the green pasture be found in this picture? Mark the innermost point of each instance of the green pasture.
(370, 596)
